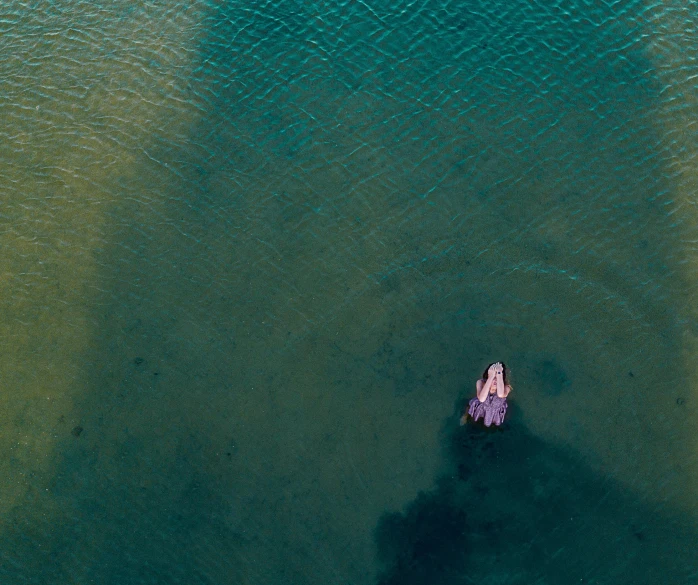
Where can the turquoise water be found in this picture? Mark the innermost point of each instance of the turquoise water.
(255, 256)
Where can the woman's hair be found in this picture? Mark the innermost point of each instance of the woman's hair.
(504, 372)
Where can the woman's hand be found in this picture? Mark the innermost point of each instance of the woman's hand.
(492, 371)
(498, 368)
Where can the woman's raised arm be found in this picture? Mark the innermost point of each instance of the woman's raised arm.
(483, 389)
(502, 388)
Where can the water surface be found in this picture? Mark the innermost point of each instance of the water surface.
(255, 257)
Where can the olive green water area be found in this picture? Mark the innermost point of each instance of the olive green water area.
(255, 255)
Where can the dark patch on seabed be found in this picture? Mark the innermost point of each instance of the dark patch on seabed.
(515, 509)
(550, 377)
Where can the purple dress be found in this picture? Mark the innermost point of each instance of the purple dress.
(492, 409)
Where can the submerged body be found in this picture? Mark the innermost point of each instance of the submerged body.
(492, 410)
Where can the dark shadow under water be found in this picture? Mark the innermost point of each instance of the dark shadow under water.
(512, 508)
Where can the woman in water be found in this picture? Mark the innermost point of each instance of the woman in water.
(491, 400)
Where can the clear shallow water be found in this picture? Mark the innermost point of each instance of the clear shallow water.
(254, 259)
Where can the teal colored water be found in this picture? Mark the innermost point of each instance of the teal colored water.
(255, 256)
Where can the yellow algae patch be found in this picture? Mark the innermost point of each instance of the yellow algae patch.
(78, 122)
(671, 46)
(46, 272)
